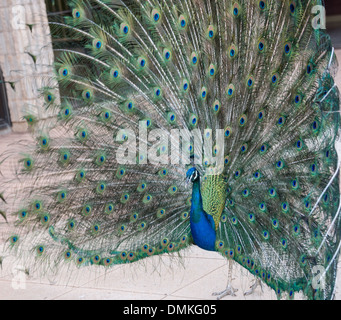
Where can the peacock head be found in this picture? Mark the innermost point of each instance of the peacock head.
(192, 175)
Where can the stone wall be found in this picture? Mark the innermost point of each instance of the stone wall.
(16, 41)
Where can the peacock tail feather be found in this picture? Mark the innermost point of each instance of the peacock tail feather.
(136, 70)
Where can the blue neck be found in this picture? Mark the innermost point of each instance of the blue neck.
(202, 224)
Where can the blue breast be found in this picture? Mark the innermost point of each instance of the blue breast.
(202, 224)
(203, 234)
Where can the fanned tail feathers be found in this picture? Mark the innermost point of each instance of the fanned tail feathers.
(255, 69)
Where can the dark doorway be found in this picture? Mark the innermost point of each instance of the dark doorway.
(4, 112)
(53, 6)
(333, 7)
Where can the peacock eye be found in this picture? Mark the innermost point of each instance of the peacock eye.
(279, 164)
(313, 167)
(287, 48)
(315, 125)
(261, 46)
(292, 8)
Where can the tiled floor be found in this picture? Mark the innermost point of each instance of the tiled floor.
(194, 276)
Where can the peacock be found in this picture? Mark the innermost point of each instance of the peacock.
(186, 122)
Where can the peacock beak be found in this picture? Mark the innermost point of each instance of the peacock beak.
(189, 179)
